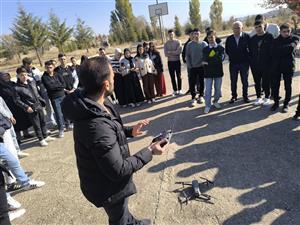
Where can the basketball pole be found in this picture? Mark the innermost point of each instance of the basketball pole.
(160, 26)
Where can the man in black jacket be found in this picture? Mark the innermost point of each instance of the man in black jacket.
(190, 32)
(236, 48)
(260, 57)
(32, 104)
(103, 159)
(283, 64)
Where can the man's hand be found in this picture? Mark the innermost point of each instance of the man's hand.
(137, 128)
(13, 120)
(29, 110)
(159, 147)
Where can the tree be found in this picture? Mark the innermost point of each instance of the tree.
(230, 22)
(84, 35)
(59, 33)
(29, 31)
(187, 28)
(10, 48)
(294, 5)
(178, 28)
(194, 13)
(216, 10)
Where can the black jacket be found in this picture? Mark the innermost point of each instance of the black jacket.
(238, 53)
(184, 50)
(55, 85)
(29, 96)
(157, 62)
(260, 50)
(66, 74)
(103, 160)
(283, 54)
(214, 57)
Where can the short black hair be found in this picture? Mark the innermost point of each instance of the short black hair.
(170, 31)
(211, 32)
(145, 44)
(259, 17)
(207, 29)
(49, 63)
(258, 22)
(21, 69)
(189, 30)
(26, 60)
(93, 72)
(196, 30)
(60, 55)
(285, 26)
(101, 49)
(73, 57)
(83, 59)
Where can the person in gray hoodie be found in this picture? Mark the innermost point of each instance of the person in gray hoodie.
(194, 59)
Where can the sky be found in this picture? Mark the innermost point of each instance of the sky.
(96, 13)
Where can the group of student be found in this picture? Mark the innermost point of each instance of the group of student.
(269, 51)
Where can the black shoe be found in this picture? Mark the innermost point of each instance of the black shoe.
(14, 187)
(296, 117)
(285, 109)
(187, 92)
(247, 100)
(274, 106)
(232, 100)
(28, 136)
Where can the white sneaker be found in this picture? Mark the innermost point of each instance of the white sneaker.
(16, 214)
(61, 134)
(43, 143)
(174, 93)
(49, 138)
(201, 100)
(22, 154)
(193, 102)
(267, 102)
(180, 92)
(258, 101)
(34, 184)
(217, 105)
(206, 110)
(153, 100)
(12, 203)
(132, 105)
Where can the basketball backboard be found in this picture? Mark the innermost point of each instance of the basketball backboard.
(160, 9)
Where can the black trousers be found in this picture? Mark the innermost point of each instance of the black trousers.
(262, 80)
(196, 76)
(235, 69)
(175, 67)
(119, 88)
(287, 78)
(4, 219)
(38, 122)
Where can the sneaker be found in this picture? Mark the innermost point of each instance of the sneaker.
(177, 92)
(233, 100)
(138, 104)
(70, 127)
(285, 109)
(201, 100)
(149, 101)
(48, 132)
(34, 184)
(12, 203)
(153, 100)
(267, 102)
(49, 139)
(274, 106)
(14, 187)
(132, 105)
(206, 110)
(247, 100)
(43, 143)
(180, 92)
(174, 93)
(296, 117)
(22, 154)
(61, 134)
(217, 105)
(16, 214)
(258, 102)
(193, 102)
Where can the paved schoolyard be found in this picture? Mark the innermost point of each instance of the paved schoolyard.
(253, 156)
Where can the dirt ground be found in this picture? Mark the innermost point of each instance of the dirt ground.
(251, 154)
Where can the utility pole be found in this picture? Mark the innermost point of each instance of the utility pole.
(160, 26)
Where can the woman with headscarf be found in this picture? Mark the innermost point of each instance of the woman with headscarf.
(146, 70)
(133, 91)
(159, 78)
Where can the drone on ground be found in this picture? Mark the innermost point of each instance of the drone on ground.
(193, 191)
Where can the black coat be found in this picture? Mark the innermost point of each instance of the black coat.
(157, 62)
(184, 50)
(103, 159)
(54, 85)
(66, 74)
(283, 54)
(29, 96)
(238, 53)
(214, 57)
(11, 98)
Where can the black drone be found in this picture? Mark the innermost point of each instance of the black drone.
(193, 191)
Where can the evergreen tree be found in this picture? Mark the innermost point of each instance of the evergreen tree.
(59, 33)
(10, 47)
(84, 35)
(178, 28)
(215, 15)
(230, 22)
(187, 27)
(29, 31)
(194, 13)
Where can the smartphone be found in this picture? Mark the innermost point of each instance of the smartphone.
(163, 135)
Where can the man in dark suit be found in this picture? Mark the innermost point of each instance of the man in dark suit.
(236, 47)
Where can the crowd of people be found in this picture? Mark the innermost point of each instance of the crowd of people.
(35, 99)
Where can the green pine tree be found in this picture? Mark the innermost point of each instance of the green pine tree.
(59, 33)
(84, 35)
(194, 13)
(29, 31)
(216, 10)
(178, 28)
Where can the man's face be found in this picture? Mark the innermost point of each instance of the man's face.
(141, 50)
(127, 54)
(285, 33)
(23, 77)
(237, 29)
(110, 90)
(196, 35)
(102, 53)
(211, 39)
(171, 35)
(118, 55)
(191, 35)
(50, 69)
(74, 61)
(28, 66)
(259, 29)
(62, 60)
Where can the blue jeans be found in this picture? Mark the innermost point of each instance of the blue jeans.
(56, 105)
(235, 69)
(13, 164)
(208, 89)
